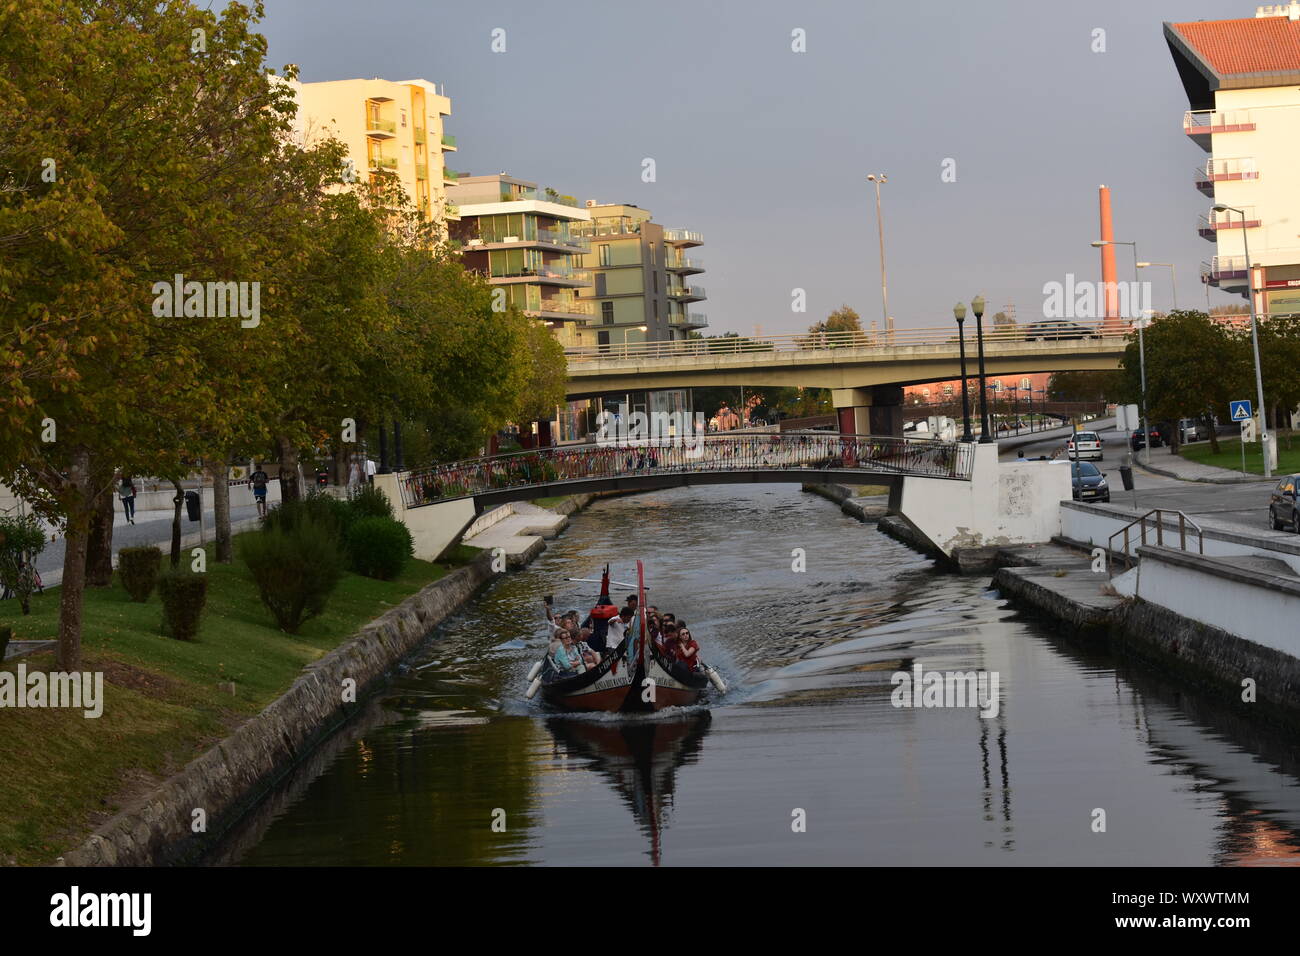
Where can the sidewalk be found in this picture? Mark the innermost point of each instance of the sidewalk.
(1175, 466)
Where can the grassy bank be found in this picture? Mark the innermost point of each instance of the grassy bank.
(1288, 454)
(65, 774)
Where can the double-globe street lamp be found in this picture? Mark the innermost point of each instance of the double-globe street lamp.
(977, 306)
(1254, 336)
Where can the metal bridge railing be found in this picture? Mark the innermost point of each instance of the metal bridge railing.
(1157, 518)
(703, 454)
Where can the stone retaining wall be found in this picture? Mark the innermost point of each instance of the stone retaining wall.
(231, 777)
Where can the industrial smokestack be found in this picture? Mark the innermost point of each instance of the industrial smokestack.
(1112, 319)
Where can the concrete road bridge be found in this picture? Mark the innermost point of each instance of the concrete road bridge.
(865, 371)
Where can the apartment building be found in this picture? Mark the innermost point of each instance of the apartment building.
(1242, 80)
(524, 242)
(641, 290)
(387, 127)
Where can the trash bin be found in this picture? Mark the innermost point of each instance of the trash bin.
(192, 505)
(1126, 476)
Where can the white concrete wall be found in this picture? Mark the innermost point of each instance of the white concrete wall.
(433, 527)
(1003, 503)
(1256, 612)
(1090, 524)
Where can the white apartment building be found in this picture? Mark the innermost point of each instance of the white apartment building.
(1242, 79)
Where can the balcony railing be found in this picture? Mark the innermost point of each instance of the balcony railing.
(1211, 224)
(383, 162)
(420, 136)
(449, 175)
(421, 171)
(683, 264)
(1223, 267)
(696, 320)
(606, 227)
(568, 306)
(378, 127)
(1205, 122)
(448, 141)
(683, 235)
(547, 272)
(686, 292)
(1221, 170)
(561, 238)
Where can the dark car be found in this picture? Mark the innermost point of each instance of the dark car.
(1089, 483)
(1282, 510)
(1136, 442)
(1055, 329)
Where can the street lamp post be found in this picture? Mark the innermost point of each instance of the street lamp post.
(880, 179)
(977, 306)
(1173, 277)
(959, 312)
(1254, 337)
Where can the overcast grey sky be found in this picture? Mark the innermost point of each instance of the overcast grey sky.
(765, 151)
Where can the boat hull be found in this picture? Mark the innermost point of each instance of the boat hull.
(610, 688)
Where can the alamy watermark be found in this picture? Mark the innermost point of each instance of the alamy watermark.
(82, 690)
(918, 688)
(1087, 300)
(208, 300)
(656, 430)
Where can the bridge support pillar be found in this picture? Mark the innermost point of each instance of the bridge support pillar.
(875, 410)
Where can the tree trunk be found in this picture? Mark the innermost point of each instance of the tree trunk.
(221, 509)
(290, 490)
(1214, 439)
(99, 544)
(176, 524)
(72, 589)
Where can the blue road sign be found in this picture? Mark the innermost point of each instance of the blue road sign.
(1240, 411)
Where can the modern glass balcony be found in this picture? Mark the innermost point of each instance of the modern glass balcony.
(1223, 268)
(686, 293)
(559, 237)
(683, 237)
(380, 127)
(606, 227)
(383, 162)
(449, 175)
(448, 142)
(421, 171)
(1210, 225)
(684, 265)
(421, 137)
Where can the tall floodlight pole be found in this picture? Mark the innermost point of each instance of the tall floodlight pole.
(880, 179)
(1254, 336)
(1173, 277)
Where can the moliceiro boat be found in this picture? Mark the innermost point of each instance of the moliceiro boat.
(633, 677)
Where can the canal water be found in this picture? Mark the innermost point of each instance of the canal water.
(806, 760)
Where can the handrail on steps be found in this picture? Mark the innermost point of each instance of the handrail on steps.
(1183, 522)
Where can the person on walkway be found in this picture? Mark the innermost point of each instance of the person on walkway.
(258, 480)
(126, 491)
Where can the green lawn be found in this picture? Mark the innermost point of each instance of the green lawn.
(550, 502)
(1288, 454)
(64, 773)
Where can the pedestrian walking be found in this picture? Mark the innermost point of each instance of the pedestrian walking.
(126, 491)
(258, 480)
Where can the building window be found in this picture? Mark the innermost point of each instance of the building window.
(656, 275)
(607, 313)
(604, 255)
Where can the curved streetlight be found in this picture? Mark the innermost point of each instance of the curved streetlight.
(977, 306)
(1173, 277)
(959, 313)
(880, 179)
(1254, 336)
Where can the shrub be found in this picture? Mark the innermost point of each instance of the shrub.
(379, 547)
(367, 501)
(295, 569)
(22, 539)
(319, 508)
(137, 569)
(183, 595)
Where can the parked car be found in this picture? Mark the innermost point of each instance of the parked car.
(1089, 483)
(1192, 429)
(1056, 329)
(1282, 510)
(1136, 442)
(1084, 445)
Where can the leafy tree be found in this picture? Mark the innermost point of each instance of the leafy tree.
(1086, 386)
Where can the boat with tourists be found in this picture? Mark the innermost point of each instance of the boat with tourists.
(636, 675)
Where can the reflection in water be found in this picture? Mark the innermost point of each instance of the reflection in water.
(452, 766)
(640, 758)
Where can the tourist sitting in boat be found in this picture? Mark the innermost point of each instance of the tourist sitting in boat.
(590, 656)
(667, 642)
(687, 650)
(568, 659)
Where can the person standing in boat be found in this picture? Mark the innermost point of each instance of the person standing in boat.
(617, 630)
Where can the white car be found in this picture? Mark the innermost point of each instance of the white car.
(1084, 445)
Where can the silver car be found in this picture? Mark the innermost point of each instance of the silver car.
(1084, 445)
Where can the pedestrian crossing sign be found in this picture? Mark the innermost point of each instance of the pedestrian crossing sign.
(1240, 411)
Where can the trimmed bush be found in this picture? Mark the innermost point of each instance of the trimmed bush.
(379, 547)
(183, 595)
(321, 509)
(137, 570)
(367, 501)
(295, 569)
